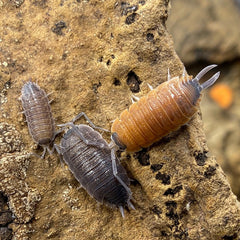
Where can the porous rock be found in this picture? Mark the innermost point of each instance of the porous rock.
(86, 61)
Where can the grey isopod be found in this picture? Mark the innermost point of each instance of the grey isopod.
(38, 114)
(94, 164)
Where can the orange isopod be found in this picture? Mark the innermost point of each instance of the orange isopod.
(163, 110)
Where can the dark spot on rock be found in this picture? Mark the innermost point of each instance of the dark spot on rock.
(140, 58)
(171, 204)
(183, 234)
(40, 3)
(116, 82)
(78, 1)
(173, 191)
(142, 2)
(133, 82)
(112, 56)
(126, 8)
(211, 170)
(171, 214)
(64, 56)
(155, 209)
(131, 18)
(7, 84)
(200, 157)
(118, 153)
(98, 14)
(6, 217)
(232, 237)
(5, 233)
(142, 157)
(96, 86)
(134, 181)
(128, 157)
(164, 234)
(108, 62)
(59, 26)
(156, 167)
(164, 178)
(100, 59)
(150, 37)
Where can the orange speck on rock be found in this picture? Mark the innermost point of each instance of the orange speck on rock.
(222, 94)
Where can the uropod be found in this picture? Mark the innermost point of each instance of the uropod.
(38, 114)
(163, 110)
(94, 164)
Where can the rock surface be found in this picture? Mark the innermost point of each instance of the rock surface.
(92, 55)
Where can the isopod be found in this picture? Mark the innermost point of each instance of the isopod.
(94, 164)
(38, 114)
(163, 110)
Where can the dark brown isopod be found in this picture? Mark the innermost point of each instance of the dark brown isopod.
(38, 114)
(163, 110)
(94, 164)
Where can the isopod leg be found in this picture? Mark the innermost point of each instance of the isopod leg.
(82, 114)
(168, 75)
(51, 151)
(60, 153)
(44, 152)
(115, 171)
(121, 211)
(184, 73)
(58, 132)
(135, 98)
(150, 86)
(34, 154)
(131, 205)
(49, 94)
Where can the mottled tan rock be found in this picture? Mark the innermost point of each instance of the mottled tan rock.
(205, 30)
(92, 55)
(22, 199)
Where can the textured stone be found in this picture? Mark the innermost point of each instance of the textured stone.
(104, 51)
(13, 172)
(10, 139)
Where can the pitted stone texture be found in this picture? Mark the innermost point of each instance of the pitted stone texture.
(93, 55)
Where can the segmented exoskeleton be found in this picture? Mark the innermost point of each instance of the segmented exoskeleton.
(38, 114)
(163, 110)
(94, 164)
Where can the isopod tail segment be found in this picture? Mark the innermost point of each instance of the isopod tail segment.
(163, 110)
(210, 81)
